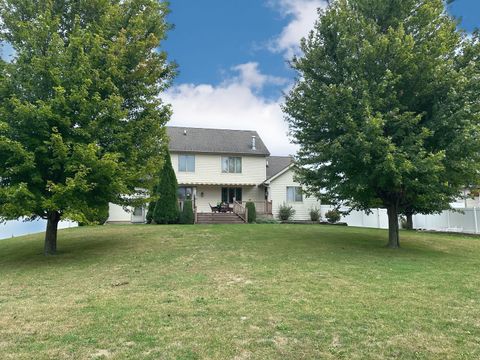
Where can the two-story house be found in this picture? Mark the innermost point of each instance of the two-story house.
(228, 166)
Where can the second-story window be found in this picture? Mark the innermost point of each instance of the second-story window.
(231, 164)
(186, 163)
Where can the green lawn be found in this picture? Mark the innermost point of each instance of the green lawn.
(240, 292)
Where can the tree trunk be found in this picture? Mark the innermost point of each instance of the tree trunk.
(53, 218)
(393, 238)
(409, 217)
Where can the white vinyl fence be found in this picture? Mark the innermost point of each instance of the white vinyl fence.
(466, 221)
(377, 219)
(15, 228)
(463, 220)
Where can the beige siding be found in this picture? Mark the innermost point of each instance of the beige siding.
(278, 195)
(208, 169)
(116, 213)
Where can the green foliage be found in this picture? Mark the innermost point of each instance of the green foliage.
(81, 122)
(385, 108)
(187, 216)
(315, 214)
(97, 217)
(266, 220)
(252, 212)
(333, 216)
(285, 212)
(166, 207)
(151, 208)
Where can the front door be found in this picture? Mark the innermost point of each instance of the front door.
(138, 215)
(229, 195)
(186, 193)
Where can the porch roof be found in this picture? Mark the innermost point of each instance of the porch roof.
(223, 183)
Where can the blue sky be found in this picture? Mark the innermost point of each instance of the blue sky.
(212, 36)
(232, 57)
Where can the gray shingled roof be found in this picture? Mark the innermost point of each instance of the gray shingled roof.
(219, 141)
(276, 164)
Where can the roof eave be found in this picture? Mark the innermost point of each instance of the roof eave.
(280, 173)
(219, 152)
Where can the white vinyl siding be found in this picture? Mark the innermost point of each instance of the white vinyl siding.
(294, 194)
(208, 170)
(278, 194)
(186, 163)
(232, 164)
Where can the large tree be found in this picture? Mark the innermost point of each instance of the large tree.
(81, 123)
(385, 107)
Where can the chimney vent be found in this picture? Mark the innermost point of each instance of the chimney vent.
(254, 142)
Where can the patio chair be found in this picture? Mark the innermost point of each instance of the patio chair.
(213, 208)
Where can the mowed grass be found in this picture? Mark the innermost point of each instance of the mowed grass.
(240, 292)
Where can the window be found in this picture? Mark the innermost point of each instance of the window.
(294, 194)
(229, 194)
(231, 164)
(186, 163)
(185, 193)
(138, 211)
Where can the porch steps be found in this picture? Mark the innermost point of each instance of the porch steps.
(218, 218)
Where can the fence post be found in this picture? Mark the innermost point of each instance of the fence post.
(475, 217)
(378, 218)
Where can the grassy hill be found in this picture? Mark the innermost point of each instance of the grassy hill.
(240, 292)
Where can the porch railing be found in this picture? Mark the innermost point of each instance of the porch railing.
(261, 207)
(240, 210)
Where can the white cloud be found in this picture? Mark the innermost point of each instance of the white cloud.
(303, 14)
(233, 105)
(237, 102)
(250, 76)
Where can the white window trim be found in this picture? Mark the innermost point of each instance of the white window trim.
(186, 163)
(295, 195)
(229, 158)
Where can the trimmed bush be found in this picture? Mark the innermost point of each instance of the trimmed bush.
(187, 216)
(252, 212)
(315, 214)
(166, 208)
(285, 212)
(333, 216)
(151, 207)
(266, 220)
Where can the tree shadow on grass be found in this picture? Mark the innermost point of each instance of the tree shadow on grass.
(27, 252)
(89, 246)
(361, 241)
